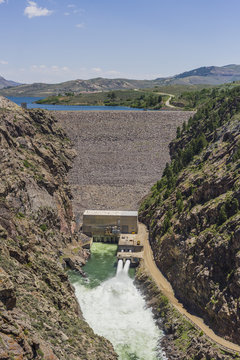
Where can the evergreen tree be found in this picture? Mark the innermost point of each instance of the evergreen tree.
(222, 215)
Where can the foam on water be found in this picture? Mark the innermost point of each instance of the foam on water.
(119, 266)
(115, 309)
(126, 266)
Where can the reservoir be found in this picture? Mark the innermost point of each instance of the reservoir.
(114, 308)
(31, 105)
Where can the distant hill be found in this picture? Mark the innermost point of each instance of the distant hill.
(76, 86)
(210, 75)
(6, 83)
(214, 75)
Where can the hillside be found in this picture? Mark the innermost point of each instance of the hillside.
(212, 75)
(191, 100)
(193, 214)
(39, 314)
(75, 86)
(6, 83)
(136, 99)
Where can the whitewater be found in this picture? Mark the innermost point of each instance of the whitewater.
(116, 310)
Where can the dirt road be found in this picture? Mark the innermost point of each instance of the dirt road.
(168, 101)
(167, 290)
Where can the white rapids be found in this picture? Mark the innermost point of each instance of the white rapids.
(126, 266)
(116, 310)
(119, 266)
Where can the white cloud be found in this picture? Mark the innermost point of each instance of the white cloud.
(44, 69)
(2, 1)
(33, 10)
(55, 68)
(97, 70)
(78, 11)
(3, 62)
(112, 72)
(73, 11)
(80, 26)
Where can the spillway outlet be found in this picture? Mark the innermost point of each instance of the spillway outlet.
(130, 248)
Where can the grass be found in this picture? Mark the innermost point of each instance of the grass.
(129, 98)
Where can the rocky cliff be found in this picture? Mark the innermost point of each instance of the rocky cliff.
(193, 214)
(39, 315)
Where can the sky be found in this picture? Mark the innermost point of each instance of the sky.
(58, 40)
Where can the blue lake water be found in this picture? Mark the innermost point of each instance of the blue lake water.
(30, 105)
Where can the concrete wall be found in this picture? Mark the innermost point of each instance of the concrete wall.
(97, 224)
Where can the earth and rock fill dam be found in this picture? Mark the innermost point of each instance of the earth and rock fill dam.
(120, 155)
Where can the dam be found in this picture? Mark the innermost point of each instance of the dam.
(120, 155)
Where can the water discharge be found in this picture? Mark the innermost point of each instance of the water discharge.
(119, 266)
(126, 266)
(115, 309)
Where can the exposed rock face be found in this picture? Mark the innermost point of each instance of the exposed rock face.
(182, 340)
(195, 226)
(39, 315)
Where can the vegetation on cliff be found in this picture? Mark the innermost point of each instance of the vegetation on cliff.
(183, 340)
(190, 100)
(193, 214)
(39, 315)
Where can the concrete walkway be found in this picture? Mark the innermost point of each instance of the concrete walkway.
(167, 290)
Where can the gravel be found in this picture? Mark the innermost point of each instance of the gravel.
(120, 155)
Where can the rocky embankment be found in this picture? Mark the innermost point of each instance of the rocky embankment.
(193, 215)
(182, 340)
(39, 314)
(120, 154)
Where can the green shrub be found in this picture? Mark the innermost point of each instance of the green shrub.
(222, 215)
(236, 154)
(20, 215)
(179, 205)
(26, 163)
(43, 227)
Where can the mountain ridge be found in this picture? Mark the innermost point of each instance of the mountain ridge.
(206, 75)
(6, 83)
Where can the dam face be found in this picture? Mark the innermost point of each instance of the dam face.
(120, 155)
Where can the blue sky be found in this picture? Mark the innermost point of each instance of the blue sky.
(53, 41)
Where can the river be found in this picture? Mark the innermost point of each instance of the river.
(114, 308)
(31, 105)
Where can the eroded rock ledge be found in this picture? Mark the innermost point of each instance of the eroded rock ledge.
(193, 215)
(39, 315)
(182, 340)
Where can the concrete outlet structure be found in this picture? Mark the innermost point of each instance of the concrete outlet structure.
(120, 227)
(130, 247)
(107, 225)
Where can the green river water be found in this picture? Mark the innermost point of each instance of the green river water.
(114, 308)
